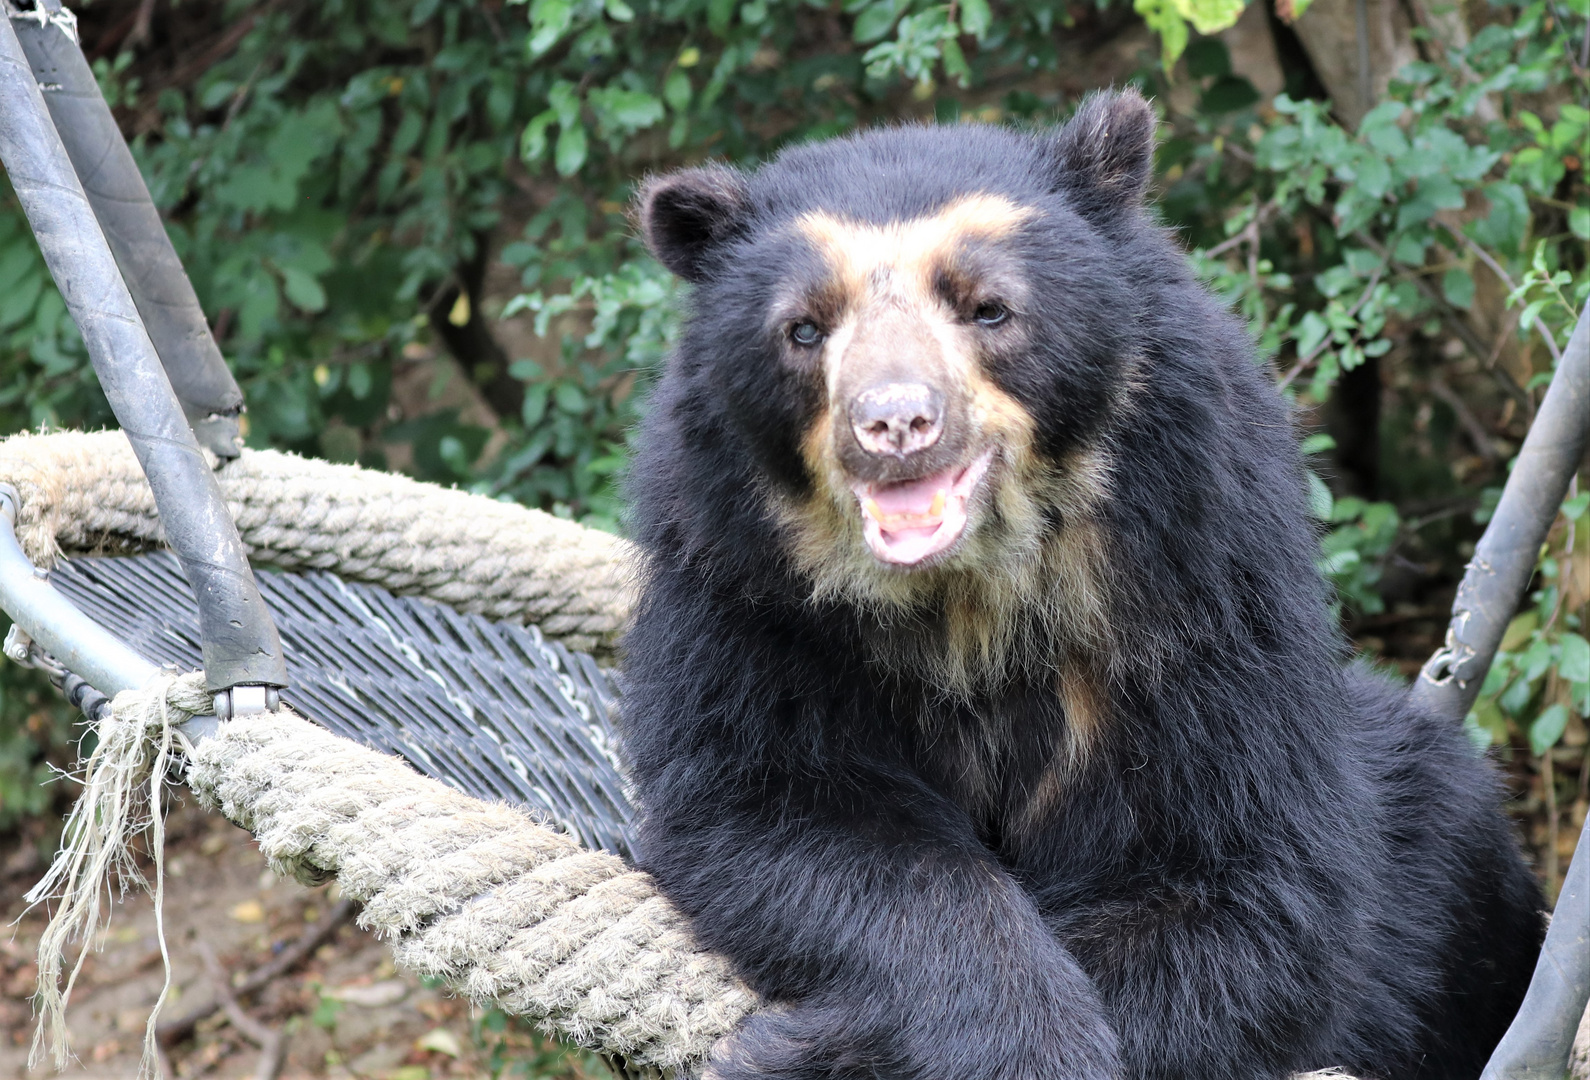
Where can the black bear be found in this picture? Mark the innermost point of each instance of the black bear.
(984, 702)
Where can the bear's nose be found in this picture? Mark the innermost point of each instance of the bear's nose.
(897, 419)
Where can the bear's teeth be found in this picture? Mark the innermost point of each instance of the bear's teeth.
(937, 509)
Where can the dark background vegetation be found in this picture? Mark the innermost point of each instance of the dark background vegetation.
(406, 220)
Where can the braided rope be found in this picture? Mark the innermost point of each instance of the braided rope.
(505, 910)
(86, 493)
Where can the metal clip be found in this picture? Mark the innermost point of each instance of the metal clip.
(247, 700)
(18, 646)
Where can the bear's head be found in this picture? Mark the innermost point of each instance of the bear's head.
(917, 334)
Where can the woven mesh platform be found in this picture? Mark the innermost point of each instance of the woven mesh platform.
(492, 709)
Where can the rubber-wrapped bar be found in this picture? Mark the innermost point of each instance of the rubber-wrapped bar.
(1505, 557)
(239, 639)
(1539, 1042)
(116, 190)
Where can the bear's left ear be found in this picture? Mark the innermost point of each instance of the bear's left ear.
(1104, 156)
(685, 214)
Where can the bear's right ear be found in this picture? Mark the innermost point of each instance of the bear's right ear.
(1104, 157)
(684, 215)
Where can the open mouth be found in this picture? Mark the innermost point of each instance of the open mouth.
(908, 522)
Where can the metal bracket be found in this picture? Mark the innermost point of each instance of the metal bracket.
(249, 699)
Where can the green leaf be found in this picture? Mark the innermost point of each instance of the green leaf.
(1441, 192)
(976, 18)
(1165, 20)
(16, 304)
(1486, 725)
(1548, 728)
(1536, 660)
(1384, 115)
(533, 144)
(1527, 318)
(619, 11)
(1319, 497)
(1374, 176)
(564, 100)
(955, 65)
(1317, 443)
(624, 111)
(1409, 250)
(303, 290)
(1210, 16)
(1516, 697)
(1228, 94)
(719, 15)
(1311, 330)
(1575, 663)
(676, 90)
(535, 404)
(549, 20)
(570, 399)
(1208, 58)
(570, 153)
(874, 21)
(1579, 221)
(1457, 285)
(1573, 509)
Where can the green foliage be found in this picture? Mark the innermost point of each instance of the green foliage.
(35, 743)
(1169, 19)
(1448, 179)
(1391, 196)
(579, 415)
(1541, 673)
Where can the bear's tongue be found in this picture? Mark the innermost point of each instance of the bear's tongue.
(913, 520)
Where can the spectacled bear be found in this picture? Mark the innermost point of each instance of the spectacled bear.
(984, 702)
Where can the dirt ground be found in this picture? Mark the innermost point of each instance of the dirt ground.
(343, 1012)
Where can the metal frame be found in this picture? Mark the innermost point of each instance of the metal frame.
(115, 188)
(47, 619)
(240, 645)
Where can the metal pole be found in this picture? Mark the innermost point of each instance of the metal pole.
(76, 642)
(239, 639)
(1538, 1044)
(160, 287)
(1505, 558)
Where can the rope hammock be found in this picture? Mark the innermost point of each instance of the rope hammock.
(505, 909)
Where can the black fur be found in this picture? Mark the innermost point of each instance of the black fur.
(1267, 862)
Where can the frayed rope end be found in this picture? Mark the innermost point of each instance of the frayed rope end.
(120, 804)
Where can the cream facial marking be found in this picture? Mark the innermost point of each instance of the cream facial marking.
(955, 547)
(893, 336)
(905, 255)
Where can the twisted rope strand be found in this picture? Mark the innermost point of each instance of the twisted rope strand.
(505, 910)
(86, 493)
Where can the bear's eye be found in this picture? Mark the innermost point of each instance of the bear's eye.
(991, 313)
(805, 334)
